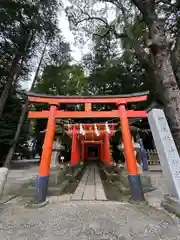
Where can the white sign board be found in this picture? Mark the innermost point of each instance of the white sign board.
(167, 152)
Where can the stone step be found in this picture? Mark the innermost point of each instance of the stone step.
(90, 187)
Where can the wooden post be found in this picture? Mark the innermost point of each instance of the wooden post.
(82, 151)
(107, 152)
(133, 176)
(86, 151)
(101, 151)
(44, 169)
(75, 155)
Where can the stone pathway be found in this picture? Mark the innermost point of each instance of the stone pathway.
(90, 186)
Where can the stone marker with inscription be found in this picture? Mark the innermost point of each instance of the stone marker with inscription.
(168, 155)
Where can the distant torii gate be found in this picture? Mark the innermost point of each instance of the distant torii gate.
(90, 138)
(121, 102)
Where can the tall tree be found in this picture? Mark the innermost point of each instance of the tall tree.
(165, 76)
(9, 121)
(155, 53)
(23, 115)
(22, 24)
(19, 128)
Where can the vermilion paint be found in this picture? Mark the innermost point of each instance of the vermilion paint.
(90, 114)
(127, 141)
(107, 153)
(75, 151)
(52, 100)
(44, 168)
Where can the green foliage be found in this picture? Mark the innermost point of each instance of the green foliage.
(59, 77)
(61, 80)
(118, 79)
(139, 32)
(8, 123)
(24, 25)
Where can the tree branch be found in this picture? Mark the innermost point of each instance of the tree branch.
(102, 36)
(167, 2)
(147, 8)
(92, 18)
(139, 50)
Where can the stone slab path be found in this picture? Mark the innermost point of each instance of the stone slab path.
(90, 187)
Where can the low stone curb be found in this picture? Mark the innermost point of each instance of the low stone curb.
(171, 204)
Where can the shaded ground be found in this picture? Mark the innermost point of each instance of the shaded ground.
(112, 192)
(17, 177)
(87, 220)
(71, 187)
(24, 164)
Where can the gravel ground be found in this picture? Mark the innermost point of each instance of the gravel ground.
(64, 220)
(87, 220)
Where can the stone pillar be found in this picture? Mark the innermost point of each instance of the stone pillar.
(143, 155)
(55, 153)
(167, 152)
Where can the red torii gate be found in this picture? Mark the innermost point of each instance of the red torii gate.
(121, 102)
(90, 138)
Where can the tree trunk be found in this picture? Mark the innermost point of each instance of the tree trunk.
(12, 73)
(5, 169)
(176, 51)
(165, 77)
(176, 61)
(16, 66)
(17, 135)
(169, 92)
(23, 114)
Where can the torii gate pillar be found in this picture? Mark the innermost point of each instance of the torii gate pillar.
(101, 151)
(82, 151)
(44, 169)
(133, 176)
(107, 153)
(75, 152)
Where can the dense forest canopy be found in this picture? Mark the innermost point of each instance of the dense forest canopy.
(135, 46)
